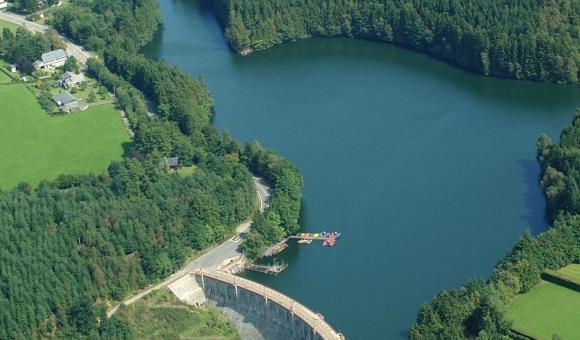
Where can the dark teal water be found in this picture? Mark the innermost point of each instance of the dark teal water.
(428, 171)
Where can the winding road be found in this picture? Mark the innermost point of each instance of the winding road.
(217, 255)
(72, 49)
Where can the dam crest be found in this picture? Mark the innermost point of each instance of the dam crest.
(256, 311)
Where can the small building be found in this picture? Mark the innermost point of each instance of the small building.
(66, 102)
(13, 68)
(50, 60)
(71, 79)
(3, 5)
(172, 163)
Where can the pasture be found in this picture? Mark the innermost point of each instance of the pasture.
(9, 25)
(35, 146)
(546, 310)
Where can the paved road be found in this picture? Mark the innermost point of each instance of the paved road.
(214, 257)
(264, 193)
(72, 49)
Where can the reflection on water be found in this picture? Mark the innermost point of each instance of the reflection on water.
(427, 170)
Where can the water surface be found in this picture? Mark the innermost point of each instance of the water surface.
(427, 170)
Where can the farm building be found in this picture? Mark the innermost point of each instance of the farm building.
(70, 79)
(66, 102)
(50, 60)
(172, 163)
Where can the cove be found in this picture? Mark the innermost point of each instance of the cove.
(427, 170)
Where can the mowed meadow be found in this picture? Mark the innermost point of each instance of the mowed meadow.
(549, 309)
(9, 25)
(35, 146)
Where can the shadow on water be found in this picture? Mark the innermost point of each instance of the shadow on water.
(535, 218)
(531, 95)
(403, 334)
(154, 48)
(303, 216)
(203, 10)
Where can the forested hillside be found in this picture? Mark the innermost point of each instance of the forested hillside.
(281, 216)
(84, 239)
(477, 308)
(561, 170)
(100, 24)
(81, 239)
(71, 245)
(519, 39)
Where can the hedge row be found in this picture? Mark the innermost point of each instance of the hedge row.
(519, 334)
(561, 279)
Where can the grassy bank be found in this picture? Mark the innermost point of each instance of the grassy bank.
(572, 270)
(9, 25)
(160, 315)
(35, 146)
(548, 309)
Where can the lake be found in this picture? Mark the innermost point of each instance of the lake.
(429, 171)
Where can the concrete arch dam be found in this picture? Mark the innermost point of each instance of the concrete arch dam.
(256, 311)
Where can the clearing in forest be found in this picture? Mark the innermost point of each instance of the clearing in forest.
(546, 310)
(571, 270)
(160, 315)
(35, 146)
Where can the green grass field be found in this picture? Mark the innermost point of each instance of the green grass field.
(160, 315)
(572, 270)
(83, 94)
(546, 310)
(4, 78)
(187, 170)
(9, 25)
(35, 146)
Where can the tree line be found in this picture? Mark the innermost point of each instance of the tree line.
(22, 47)
(281, 216)
(72, 245)
(31, 6)
(476, 310)
(520, 39)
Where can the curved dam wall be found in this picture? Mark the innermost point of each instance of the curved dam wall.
(254, 315)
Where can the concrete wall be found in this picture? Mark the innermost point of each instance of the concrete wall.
(188, 291)
(253, 316)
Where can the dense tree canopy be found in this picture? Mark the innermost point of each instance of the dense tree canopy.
(99, 24)
(561, 170)
(168, 87)
(281, 217)
(84, 238)
(519, 39)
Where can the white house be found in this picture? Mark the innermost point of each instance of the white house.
(69, 79)
(50, 60)
(3, 5)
